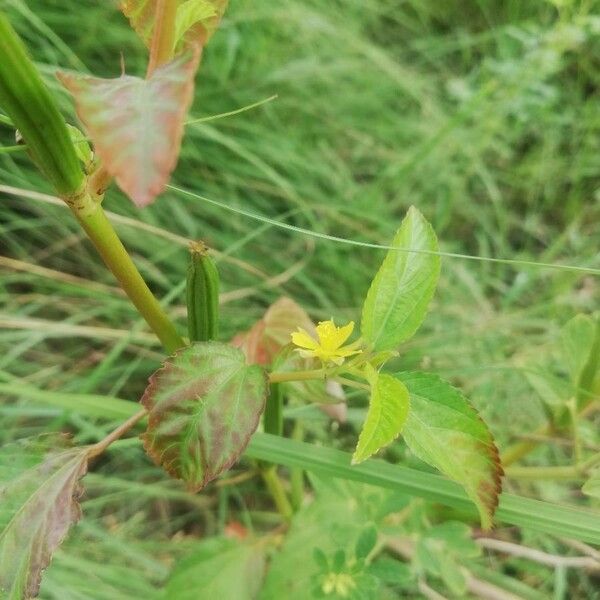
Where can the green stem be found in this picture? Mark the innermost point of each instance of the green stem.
(296, 376)
(109, 246)
(277, 492)
(575, 472)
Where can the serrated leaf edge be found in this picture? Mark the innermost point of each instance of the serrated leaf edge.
(153, 419)
(498, 471)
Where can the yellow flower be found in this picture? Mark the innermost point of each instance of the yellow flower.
(329, 346)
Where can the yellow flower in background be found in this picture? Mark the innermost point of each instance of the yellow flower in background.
(329, 347)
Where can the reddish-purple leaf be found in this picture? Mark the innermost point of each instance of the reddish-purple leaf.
(39, 494)
(271, 333)
(204, 404)
(136, 124)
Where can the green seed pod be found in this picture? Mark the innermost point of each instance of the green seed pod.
(33, 111)
(202, 295)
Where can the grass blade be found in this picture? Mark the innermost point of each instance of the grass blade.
(548, 517)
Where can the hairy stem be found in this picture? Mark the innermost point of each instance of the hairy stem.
(109, 246)
(297, 376)
(117, 433)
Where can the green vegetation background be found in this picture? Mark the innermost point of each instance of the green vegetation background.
(484, 114)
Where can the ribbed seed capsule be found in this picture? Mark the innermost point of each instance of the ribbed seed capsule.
(33, 110)
(202, 295)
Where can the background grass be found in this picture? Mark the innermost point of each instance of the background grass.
(483, 114)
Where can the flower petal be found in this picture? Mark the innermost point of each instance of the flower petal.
(347, 351)
(345, 332)
(304, 340)
(332, 337)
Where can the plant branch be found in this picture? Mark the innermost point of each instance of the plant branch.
(109, 246)
(114, 435)
(578, 471)
(544, 558)
(287, 376)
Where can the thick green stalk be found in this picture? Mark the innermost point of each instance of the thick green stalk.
(112, 251)
(32, 109)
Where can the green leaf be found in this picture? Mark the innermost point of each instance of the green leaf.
(190, 15)
(200, 18)
(136, 124)
(388, 410)
(204, 404)
(219, 568)
(577, 340)
(444, 430)
(392, 572)
(366, 541)
(553, 390)
(39, 492)
(580, 339)
(400, 293)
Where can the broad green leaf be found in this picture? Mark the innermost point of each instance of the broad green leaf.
(39, 492)
(136, 124)
(444, 430)
(388, 410)
(204, 404)
(400, 293)
(219, 568)
(197, 18)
